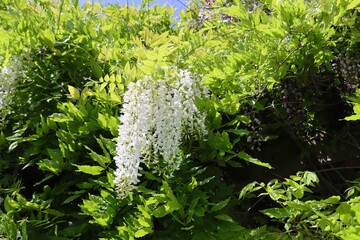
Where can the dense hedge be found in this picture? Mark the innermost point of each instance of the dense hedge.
(277, 81)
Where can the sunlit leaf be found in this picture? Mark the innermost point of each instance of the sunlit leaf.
(353, 4)
(279, 213)
(143, 232)
(48, 37)
(74, 92)
(250, 159)
(92, 170)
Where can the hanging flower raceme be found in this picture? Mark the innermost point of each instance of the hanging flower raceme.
(156, 116)
(10, 74)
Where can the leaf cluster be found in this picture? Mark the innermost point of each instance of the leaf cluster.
(58, 131)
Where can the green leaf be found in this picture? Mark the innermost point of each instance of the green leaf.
(10, 204)
(102, 160)
(247, 189)
(24, 235)
(96, 68)
(71, 198)
(279, 213)
(356, 209)
(332, 200)
(298, 205)
(147, 67)
(350, 192)
(151, 176)
(356, 116)
(74, 93)
(102, 120)
(44, 126)
(309, 178)
(102, 212)
(220, 141)
(192, 208)
(55, 154)
(239, 132)
(51, 165)
(250, 159)
(344, 211)
(54, 212)
(92, 170)
(217, 120)
(225, 217)
(234, 11)
(143, 232)
(114, 97)
(71, 110)
(113, 124)
(230, 104)
(351, 233)
(187, 228)
(145, 222)
(108, 197)
(160, 212)
(167, 190)
(220, 205)
(111, 177)
(160, 40)
(192, 185)
(48, 37)
(353, 4)
(172, 206)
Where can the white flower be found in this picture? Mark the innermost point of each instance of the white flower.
(18, 235)
(156, 116)
(9, 75)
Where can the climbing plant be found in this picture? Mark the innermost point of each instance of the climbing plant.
(237, 122)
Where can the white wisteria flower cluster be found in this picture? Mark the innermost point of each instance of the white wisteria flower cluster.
(155, 118)
(9, 75)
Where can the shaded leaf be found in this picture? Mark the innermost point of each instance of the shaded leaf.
(220, 205)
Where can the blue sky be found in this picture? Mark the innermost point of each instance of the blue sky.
(178, 4)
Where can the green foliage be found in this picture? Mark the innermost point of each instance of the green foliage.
(326, 218)
(356, 107)
(59, 123)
